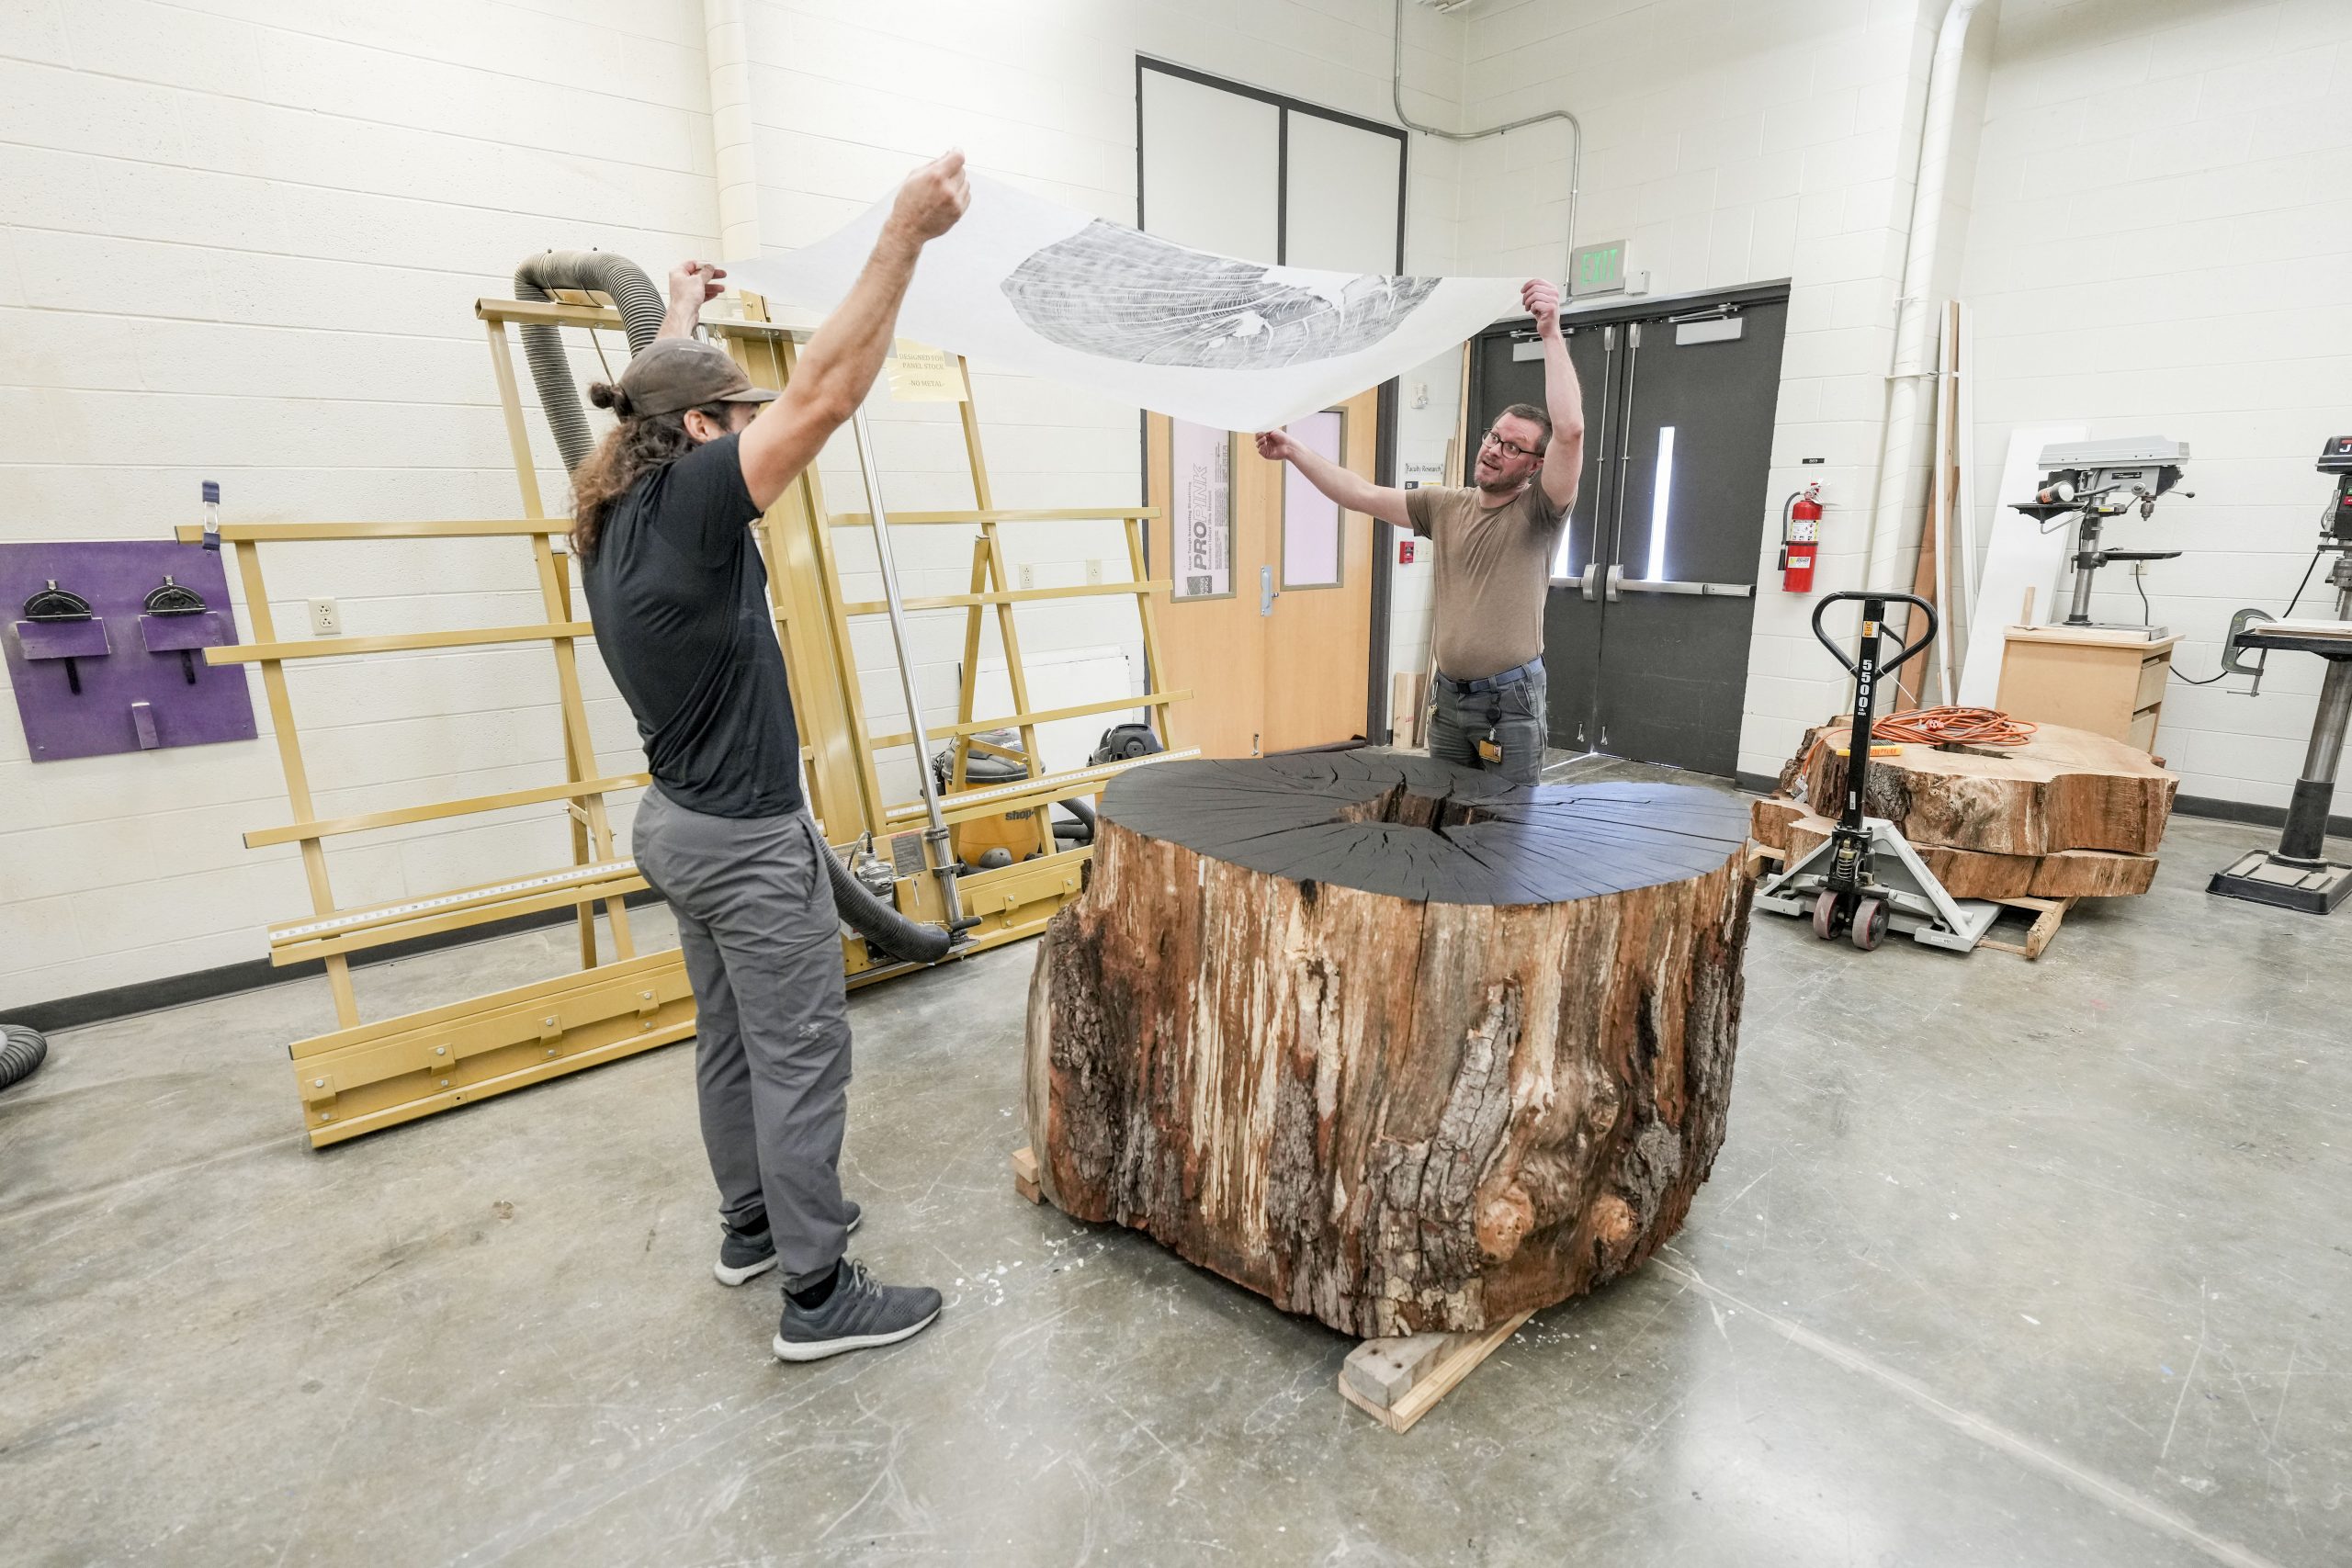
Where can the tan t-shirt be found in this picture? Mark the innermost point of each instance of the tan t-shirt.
(1494, 565)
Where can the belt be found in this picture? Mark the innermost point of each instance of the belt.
(1495, 682)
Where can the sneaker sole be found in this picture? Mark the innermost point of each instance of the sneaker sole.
(818, 1349)
(725, 1276)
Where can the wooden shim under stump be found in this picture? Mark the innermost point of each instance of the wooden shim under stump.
(1397, 1379)
(1025, 1175)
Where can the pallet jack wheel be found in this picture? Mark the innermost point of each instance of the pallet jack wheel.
(1824, 917)
(1870, 924)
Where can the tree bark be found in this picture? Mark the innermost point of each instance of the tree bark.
(2065, 789)
(1393, 1043)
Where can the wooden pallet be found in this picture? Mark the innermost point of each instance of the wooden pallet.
(1395, 1379)
(2048, 913)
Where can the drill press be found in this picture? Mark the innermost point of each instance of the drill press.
(2097, 481)
(2298, 875)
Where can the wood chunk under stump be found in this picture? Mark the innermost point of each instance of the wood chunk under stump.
(1394, 1044)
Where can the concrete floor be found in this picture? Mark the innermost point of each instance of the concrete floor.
(2002, 1263)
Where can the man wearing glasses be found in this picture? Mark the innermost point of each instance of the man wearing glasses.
(1494, 539)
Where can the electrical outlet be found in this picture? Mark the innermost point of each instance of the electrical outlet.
(1028, 575)
(326, 618)
(1094, 574)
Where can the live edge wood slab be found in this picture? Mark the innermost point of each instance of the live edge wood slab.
(1393, 1043)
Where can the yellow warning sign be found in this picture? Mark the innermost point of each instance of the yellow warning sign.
(922, 373)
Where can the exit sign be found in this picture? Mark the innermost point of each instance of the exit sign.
(1597, 269)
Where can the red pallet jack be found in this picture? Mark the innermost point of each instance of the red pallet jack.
(1864, 877)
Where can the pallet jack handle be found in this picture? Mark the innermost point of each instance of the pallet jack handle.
(1874, 613)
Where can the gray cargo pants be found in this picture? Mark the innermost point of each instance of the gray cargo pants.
(1461, 712)
(755, 919)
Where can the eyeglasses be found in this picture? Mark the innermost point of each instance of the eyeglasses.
(1511, 447)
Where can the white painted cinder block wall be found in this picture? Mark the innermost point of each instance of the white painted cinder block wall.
(2161, 244)
(243, 241)
(240, 241)
(1731, 143)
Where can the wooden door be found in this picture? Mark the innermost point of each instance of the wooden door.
(1211, 633)
(1272, 663)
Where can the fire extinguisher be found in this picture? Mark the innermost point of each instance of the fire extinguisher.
(1800, 536)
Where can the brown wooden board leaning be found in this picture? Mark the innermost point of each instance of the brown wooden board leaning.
(1395, 1045)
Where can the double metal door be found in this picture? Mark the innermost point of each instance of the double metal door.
(1647, 627)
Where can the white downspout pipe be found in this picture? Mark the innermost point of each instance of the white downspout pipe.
(1893, 503)
(727, 48)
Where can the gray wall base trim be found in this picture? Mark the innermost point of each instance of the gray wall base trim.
(2260, 815)
(175, 990)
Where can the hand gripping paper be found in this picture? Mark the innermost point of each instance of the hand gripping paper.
(1026, 285)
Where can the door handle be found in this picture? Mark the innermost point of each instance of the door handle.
(1587, 580)
(1266, 590)
(1618, 581)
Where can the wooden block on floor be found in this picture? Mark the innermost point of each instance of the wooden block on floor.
(1025, 1176)
(1398, 1379)
(2048, 913)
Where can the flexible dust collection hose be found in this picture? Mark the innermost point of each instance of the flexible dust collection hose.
(21, 1051)
(882, 926)
(595, 271)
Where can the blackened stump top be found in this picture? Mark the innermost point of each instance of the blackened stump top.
(1409, 828)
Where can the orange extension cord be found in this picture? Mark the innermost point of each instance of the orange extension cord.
(1953, 727)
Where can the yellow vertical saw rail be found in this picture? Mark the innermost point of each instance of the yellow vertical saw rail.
(364, 1076)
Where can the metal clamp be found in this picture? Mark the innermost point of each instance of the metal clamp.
(2235, 660)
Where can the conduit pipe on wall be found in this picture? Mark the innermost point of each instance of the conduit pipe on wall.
(1894, 502)
(1576, 128)
(726, 47)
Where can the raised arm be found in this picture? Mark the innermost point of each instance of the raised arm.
(693, 285)
(1563, 398)
(845, 354)
(1347, 487)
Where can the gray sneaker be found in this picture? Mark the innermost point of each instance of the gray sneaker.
(746, 1255)
(858, 1316)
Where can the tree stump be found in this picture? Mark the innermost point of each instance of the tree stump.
(1394, 1044)
(2065, 789)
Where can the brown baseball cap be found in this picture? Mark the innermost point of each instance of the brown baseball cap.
(674, 374)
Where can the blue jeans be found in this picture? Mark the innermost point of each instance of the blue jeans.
(1512, 712)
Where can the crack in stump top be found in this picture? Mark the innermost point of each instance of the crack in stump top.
(1409, 828)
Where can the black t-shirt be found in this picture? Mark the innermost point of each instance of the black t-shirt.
(680, 601)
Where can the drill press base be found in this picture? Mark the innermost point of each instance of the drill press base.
(2261, 877)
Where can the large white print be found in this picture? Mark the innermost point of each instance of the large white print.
(1027, 286)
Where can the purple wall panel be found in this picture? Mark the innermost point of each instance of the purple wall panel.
(133, 667)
